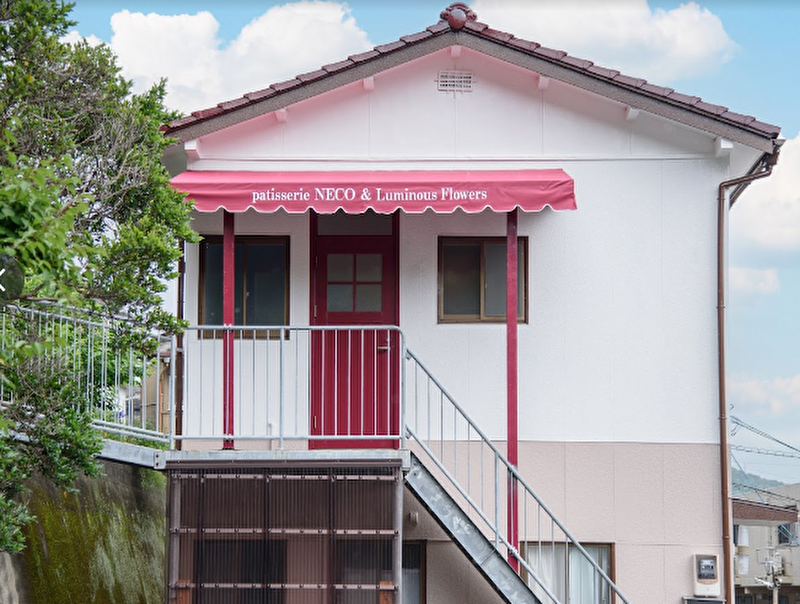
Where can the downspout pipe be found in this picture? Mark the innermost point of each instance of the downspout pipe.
(178, 427)
(761, 169)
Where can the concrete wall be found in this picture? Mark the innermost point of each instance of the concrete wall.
(103, 543)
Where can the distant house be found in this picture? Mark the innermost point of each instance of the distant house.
(767, 552)
(458, 224)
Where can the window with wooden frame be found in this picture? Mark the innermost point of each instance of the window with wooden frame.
(261, 281)
(472, 279)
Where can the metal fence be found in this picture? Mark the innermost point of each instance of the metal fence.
(292, 386)
(117, 373)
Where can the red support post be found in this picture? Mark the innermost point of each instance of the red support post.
(228, 304)
(512, 262)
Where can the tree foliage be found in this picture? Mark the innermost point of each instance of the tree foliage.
(87, 211)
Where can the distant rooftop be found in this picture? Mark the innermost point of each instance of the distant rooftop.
(753, 512)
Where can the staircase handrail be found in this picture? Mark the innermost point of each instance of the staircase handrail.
(514, 473)
(497, 534)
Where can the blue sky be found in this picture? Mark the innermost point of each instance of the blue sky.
(738, 53)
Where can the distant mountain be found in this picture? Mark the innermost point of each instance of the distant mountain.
(742, 482)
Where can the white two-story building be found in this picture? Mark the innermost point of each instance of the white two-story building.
(459, 224)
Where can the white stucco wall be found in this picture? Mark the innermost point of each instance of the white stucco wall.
(621, 341)
(405, 121)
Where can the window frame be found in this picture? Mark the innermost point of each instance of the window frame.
(786, 532)
(423, 565)
(201, 284)
(609, 547)
(482, 317)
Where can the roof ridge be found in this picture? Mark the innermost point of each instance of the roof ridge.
(459, 17)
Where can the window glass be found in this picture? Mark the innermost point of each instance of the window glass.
(495, 276)
(340, 297)
(461, 279)
(472, 278)
(266, 279)
(260, 281)
(368, 297)
(550, 566)
(240, 266)
(786, 534)
(212, 295)
(368, 223)
(340, 267)
(369, 267)
(359, 274)
(412, 573)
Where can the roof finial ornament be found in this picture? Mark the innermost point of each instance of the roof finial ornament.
(457, 15)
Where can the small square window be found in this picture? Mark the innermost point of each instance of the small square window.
(472, 279)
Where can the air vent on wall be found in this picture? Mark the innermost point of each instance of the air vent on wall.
(455, 81)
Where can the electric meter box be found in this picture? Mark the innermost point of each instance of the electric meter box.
(706, 576)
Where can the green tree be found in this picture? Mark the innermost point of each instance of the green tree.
(87, 211)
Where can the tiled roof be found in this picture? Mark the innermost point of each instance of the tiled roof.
(762, 513)
(464, 23)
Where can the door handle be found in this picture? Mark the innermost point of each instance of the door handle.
(386, 348)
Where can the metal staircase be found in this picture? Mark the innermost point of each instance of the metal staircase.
(463, 531)
(473, 479)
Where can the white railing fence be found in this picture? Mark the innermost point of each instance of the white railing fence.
(120, 373)
(285, 386)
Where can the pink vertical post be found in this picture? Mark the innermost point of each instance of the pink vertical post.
(512, 262)
(228, 303)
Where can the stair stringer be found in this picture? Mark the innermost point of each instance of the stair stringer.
(463, 531)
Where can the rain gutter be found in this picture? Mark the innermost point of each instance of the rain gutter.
(761, 169)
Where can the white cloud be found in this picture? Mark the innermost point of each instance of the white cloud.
(283, 42)
(659, 45)
(74, 37)
(754, 280)
(293, 38)
(779, 396)
(767, 214)
(771, 407)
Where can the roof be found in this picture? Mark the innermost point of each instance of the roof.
(458, 26)
(752, 512)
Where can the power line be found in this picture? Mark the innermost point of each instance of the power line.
(755, 430)
(759, 491)
(772, 452)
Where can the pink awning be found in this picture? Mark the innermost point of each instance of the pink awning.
(384, 191)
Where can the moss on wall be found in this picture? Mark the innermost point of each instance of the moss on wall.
(104, 543)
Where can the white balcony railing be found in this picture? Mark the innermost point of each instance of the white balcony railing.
(293, 386)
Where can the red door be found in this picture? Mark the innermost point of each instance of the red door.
(355, 370)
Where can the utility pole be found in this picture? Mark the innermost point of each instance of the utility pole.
(772, 564)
